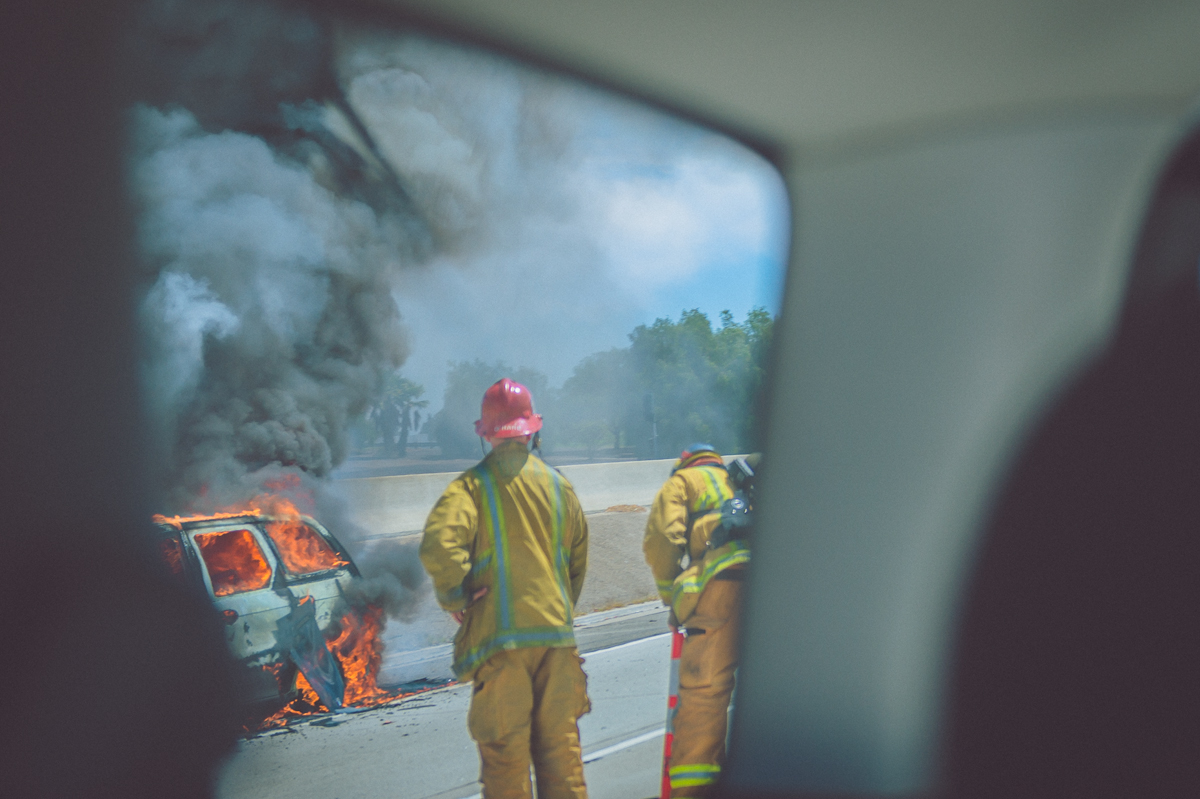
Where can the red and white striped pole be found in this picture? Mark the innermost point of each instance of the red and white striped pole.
(677, 637)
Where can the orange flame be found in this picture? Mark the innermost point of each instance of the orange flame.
(178, 521)
(302, 549)
(360, 652)
(235, 563)
(356, 638)
(270, 502)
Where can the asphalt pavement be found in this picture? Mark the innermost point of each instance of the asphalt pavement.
(419, 747)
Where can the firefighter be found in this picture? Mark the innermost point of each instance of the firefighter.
(705, 599)
(506, 547)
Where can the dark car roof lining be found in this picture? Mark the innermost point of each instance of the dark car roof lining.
(1082, 605)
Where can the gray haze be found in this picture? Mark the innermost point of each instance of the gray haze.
(520, 275)
(278, 266)
(321, 205)
(270, 322)
(276, 233)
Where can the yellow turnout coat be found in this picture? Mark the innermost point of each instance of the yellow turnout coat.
(682, 519)
(513, 525)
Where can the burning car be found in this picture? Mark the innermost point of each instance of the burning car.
(280, 582)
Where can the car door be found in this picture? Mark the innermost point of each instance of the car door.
(313, 564)
(240, 572)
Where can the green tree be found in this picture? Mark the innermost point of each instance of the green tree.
(705, 383)
(594, 402)
(397, 413)
(759, 327)
(674, 363)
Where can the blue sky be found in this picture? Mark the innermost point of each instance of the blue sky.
(706, 230)
(694, 219)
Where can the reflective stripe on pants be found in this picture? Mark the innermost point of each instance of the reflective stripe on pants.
(693, 775)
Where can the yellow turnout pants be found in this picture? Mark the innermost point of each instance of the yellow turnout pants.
(706, 677)
(525, 709)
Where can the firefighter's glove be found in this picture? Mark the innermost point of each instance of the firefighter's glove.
(672, 622)
(475, 597)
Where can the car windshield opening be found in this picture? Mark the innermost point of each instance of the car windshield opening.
(302, 549)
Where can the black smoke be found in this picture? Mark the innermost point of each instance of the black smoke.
(269, 246)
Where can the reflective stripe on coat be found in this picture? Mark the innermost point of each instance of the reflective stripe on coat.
(513, 525)
(691, 496)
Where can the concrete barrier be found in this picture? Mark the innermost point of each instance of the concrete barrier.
(399, 504)
(602, 485)
(396, 504)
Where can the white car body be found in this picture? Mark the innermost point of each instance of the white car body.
(253, 613)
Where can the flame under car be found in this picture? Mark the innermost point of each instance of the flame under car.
(279, 582)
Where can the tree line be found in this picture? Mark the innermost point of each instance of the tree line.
(676, 382)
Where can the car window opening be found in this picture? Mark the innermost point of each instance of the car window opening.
(301, 548)
(172, 554)
(234, 560)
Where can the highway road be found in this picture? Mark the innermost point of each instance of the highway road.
(419, 748)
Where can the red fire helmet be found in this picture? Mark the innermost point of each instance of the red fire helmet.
(507, 411)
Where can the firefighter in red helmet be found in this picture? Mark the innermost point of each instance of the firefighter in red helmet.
(506, 547)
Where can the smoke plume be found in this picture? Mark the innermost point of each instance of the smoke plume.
(319, 200)
(291, 204)
(295, 179)
(271, 236)
(269, 320)
(392, 579)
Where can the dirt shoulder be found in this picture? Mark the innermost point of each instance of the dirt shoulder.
(617, 573)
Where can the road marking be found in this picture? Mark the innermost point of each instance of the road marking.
(609, 750)
(595, 652)
(634, 741)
